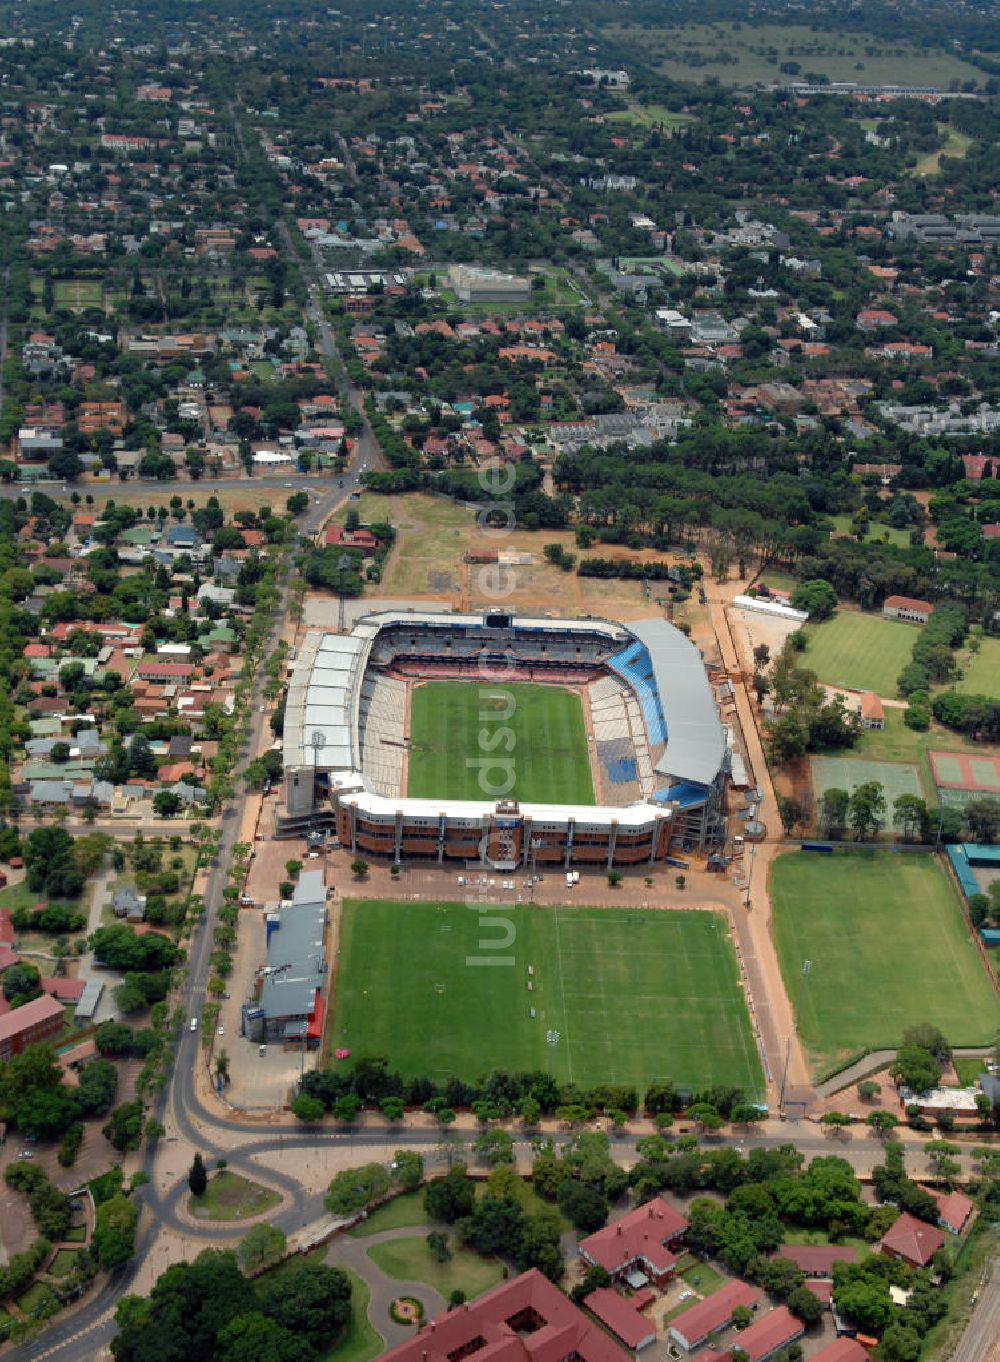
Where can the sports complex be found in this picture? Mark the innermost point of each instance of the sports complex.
(504, 741)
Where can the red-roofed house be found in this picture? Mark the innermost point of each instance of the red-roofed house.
(640, 1241)
(7, 935)
(523, 1320)
(976, 467)
(871, 711)
(913, 1241)
(623, 1317)
(906, 608)
(769, 1333)
(715, 1312)
(336, 536)
(954, 1210)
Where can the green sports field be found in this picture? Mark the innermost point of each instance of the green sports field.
(888, 946)
(865, 652)
(636, 995)
(466, 738)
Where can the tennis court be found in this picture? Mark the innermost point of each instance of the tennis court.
(966, 771)
(847, 773)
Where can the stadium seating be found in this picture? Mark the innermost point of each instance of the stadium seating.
(381, 728)
(633, 665)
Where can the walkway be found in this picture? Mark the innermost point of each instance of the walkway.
(879, 1059)
(353, 1253)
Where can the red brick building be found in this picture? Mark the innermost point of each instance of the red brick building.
(642, 1241)
(41, 1019)
(524, 1320)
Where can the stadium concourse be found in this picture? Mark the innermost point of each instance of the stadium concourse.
(658, 751)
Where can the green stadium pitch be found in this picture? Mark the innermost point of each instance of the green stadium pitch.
(637, 996)
(888, 946)
(457, 750)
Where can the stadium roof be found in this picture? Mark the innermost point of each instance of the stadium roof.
(696, 739)
(322, 700)
(481, 811)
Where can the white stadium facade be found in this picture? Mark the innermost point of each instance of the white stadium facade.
(658, 748)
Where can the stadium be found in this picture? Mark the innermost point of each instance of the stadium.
(504, 741)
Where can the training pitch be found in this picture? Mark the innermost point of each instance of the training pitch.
(467, 738)
(888, 948)
(637, 996)
(864, 652)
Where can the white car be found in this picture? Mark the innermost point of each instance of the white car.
(221, 1031)
(194, 1023)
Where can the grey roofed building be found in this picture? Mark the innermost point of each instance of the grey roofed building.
(188, 794)
(89, 999)
(50, 792)
(696, 739)
(129, 903)
(296, 959)
(180, 745)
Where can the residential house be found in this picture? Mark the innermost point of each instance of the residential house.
(906, 608)
(912, 1241)
(639, 1247)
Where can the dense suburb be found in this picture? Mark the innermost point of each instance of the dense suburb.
(637, 996)
(459, 749)
(888, 949)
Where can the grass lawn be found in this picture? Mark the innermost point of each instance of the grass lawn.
(546, 753)
(955, 144)
(63, 1263)
(702, 1278)
(360, 1342)
(36, 1296)
(649, 116)
(968, 1069)
(743, 54)
(862, 651)
(897, 743)
(232, 1197)
(877, 532)
(981, 670)
(76, 1234)
(888, 946)
(408, 987)
(795, 1235)
(410, 1260)
(399, 1213)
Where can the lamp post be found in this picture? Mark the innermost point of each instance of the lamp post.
(551, 1040)
(343, 567)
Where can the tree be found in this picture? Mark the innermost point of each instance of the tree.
(869, 1090)
(123, 1127)
(805, 1305)
(437, 1246)
(705, 1117)
(307, 1109)
(21, 983)
(494, 1147)
(347, 1108)
(359, 868)
(255, 1338)
(261, 1247)
(355, 1189)
(197, 1177)
(114, 1231)
(450, 1197)
(583, 1205)
(166, 804)
(882, 1122)
(916, 1069)
(790, 812)
(910, 814)
(311, 1300)
(834, 805)
(817, 597)
(867, 809)
(408, 1169)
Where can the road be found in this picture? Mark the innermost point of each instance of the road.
(981, 1340)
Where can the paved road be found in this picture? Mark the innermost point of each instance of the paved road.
(981, 1340)
(353, 1253)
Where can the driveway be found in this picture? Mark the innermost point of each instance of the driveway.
(353, 1253)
